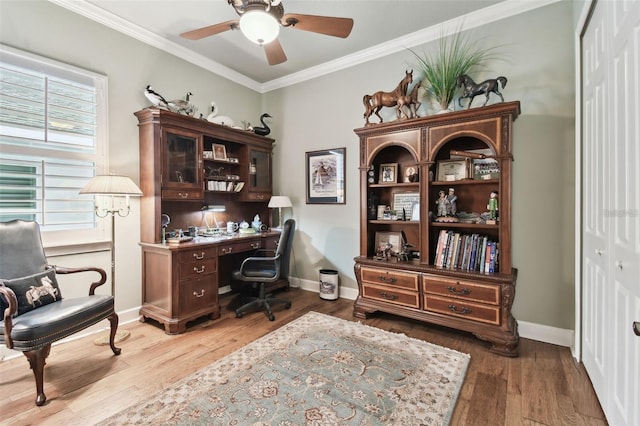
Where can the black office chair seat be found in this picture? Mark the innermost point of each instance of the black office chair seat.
(259, 270)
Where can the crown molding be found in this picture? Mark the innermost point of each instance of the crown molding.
(479, 18)
(123, 26)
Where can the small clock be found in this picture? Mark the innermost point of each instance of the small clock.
(409, 174)
(372, 176)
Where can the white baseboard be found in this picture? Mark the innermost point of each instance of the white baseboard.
(527, 330)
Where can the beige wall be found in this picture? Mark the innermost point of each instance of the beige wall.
(538, 61)
(322, 113)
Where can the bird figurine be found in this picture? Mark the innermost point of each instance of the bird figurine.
(155, 98)
(265, 130)
(213, 117)
(183, 105)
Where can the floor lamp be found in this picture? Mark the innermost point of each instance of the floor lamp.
(279, 202)
(113, 188)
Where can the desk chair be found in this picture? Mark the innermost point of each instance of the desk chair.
(259, 270)
(33, 311)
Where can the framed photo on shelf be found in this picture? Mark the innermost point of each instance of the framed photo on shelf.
(219, 152)
(395, 239)
(452, 170)
(325, 176)
(388, 173)
(405, 201)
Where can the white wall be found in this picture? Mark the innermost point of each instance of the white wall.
(322, 113)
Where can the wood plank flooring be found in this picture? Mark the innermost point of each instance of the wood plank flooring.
(85, 383)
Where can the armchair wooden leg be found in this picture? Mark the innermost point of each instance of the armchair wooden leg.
(37, 361)
(113, 320)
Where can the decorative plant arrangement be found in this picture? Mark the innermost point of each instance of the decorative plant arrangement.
(457, 55)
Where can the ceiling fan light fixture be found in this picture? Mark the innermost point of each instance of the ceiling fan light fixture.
(259, 26)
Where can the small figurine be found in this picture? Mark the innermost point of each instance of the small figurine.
(405, 254)
(213, 117)
(384, 251)
(183, 105)
(256, 224)
(265, 130)
(443, 205)
(155, 98)
(493, 207)
(471, 89)
(452, 197)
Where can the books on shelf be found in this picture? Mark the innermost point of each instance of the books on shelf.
(467, 252)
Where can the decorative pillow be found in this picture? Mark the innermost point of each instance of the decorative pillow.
(33, 291)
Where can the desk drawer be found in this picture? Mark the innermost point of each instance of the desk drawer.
(390, 277)
(391, 294)
(200, 267)
(239, 247)
(198, 293)
(462, 309)
(182, 194)
(197, 254)
(462, 289)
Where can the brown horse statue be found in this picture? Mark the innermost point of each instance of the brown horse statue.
(410, 101)
(471, 89)
(374, 103)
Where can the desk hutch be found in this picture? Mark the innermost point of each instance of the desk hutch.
(185, 164)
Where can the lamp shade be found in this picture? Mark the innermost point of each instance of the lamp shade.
(259, 26)
(111, 185)
(279, 201)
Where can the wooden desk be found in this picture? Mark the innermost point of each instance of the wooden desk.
(180, 282)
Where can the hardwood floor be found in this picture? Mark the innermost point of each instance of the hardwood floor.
(85, 383)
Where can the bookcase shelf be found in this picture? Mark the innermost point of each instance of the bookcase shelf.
(425, 144)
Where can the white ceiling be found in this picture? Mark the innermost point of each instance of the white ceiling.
(380, 27)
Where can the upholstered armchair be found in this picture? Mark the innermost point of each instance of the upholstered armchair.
(34, 312)
(258, 270)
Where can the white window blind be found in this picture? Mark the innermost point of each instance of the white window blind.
(52, 141)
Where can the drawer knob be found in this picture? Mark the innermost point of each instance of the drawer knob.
(462, 292)
(463, 311)
(227, 250)
(387, 280)
(388, 296)
(255, 245)
(183, 194)
(199, 294)
(199, 271)
(198, 257)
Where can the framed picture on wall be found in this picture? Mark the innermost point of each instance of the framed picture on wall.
(325, 176)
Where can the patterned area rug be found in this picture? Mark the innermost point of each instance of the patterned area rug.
(316, 370)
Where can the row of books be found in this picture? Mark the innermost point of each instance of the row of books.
(468, 252)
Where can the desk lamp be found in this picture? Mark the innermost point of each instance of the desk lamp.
(279, 202)
(213, 208)
(114, 190)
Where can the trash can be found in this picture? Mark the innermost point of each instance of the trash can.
(329, 284)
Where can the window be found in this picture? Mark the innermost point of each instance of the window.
(52, 141)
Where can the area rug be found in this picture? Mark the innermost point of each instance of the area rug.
(316, 370)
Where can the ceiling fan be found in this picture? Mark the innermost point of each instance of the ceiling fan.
(260, 22)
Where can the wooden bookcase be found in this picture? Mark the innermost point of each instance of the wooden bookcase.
(448, 291)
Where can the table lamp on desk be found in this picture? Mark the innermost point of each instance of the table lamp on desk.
(279, 202)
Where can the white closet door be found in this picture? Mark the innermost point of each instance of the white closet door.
(611, 229)
(595, 190)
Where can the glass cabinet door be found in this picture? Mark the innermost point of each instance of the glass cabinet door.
(259, 174)
(181, 160)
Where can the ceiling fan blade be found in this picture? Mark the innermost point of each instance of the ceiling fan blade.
(275, 54)
(337, 27)
(210, 30)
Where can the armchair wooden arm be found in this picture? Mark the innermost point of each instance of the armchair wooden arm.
(94, 285)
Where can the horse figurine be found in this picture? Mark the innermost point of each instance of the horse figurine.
(471, 89)
(410, 101)
(374, 103)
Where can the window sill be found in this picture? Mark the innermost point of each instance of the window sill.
(70, 249)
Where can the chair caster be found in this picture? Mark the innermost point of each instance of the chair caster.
(287, 305)
(272, 317)
(239, 314)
